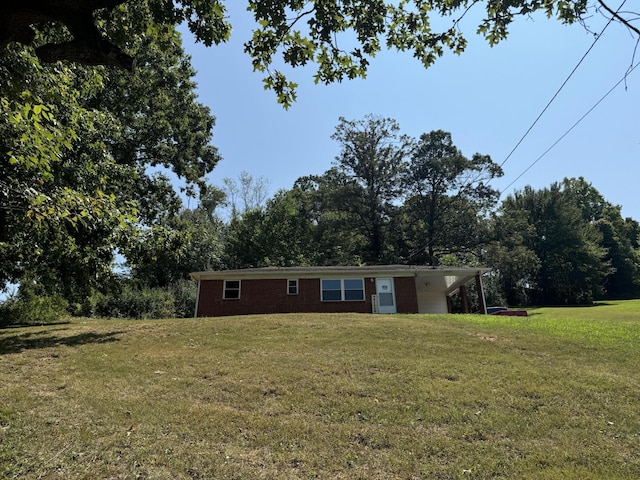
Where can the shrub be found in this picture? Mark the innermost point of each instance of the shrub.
(33, 310)
(134, 302)
(184, 293)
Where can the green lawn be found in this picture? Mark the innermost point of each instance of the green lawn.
(553, 395)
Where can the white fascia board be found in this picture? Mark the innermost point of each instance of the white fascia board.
(339, 272)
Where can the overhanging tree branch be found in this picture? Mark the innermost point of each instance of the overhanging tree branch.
(619, 18)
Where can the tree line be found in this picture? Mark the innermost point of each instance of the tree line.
(392, 199)
(81, 142)
(387, 199)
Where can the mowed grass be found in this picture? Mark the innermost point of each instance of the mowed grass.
(554, 395)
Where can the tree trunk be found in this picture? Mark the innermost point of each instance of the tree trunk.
(88, 46)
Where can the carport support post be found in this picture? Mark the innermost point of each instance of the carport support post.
(481, 300)
(465, 300)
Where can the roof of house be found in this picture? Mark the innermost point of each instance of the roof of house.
(342, 271)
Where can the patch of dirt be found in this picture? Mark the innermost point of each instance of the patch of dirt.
(490, 338)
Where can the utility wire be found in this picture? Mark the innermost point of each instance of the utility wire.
(561, 87)
(422, 249)
(573, 126)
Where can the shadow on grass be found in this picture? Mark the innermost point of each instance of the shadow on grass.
(26, 325)
(31, 341)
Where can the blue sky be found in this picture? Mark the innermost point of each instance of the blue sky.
(487, 98)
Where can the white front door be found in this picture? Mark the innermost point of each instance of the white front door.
(385, 295)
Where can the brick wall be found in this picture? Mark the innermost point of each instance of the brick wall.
(406, 297)
(270, 296)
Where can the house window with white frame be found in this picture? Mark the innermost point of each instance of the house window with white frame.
(231, 290)
(292, 286)
(346, 289)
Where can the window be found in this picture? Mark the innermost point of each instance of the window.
(353, 289)
(348, 289)
(331, 290)
(292, 287)
(231, 289)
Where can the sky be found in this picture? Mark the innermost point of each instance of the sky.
(487, 98)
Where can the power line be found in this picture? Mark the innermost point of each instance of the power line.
(561, 87)
(573, 126)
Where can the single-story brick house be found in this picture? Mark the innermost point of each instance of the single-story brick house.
(377, 289)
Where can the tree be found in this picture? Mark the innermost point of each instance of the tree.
(280, 234)
(571, 257)
(449, 198)
(86, 20)
(322, 200)
(510, 254)
(245, 194)
(309, 224)
(54, 175)
(77, 145)
(372, 159)
(190, 241)
(296, 32)
(565, 244)
(619, 238)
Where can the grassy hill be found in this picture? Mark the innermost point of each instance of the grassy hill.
(552, 395)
